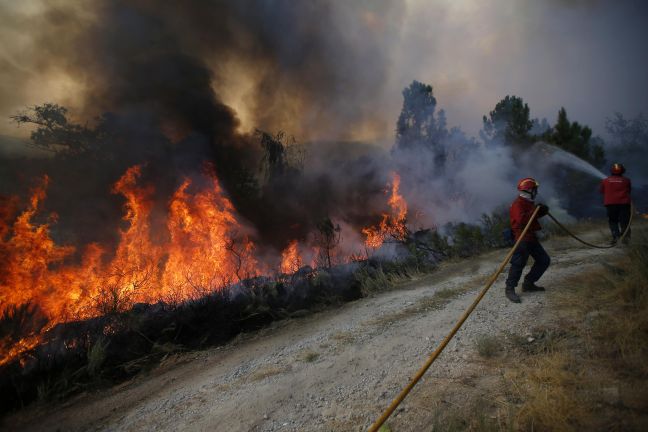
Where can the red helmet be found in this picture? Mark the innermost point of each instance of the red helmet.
(617, 169)
(527, 184)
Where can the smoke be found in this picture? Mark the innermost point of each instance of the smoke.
(182, 82)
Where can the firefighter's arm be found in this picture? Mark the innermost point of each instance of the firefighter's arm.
(544, 210)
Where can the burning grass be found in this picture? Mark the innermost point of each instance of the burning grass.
(392, 224)
(69, 326)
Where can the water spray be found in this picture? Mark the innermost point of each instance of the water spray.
(561, 157)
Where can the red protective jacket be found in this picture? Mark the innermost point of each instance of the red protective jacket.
(616, 190)
(521, 211)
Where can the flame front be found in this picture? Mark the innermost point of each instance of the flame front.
(200, 247)
(393, 223)
(290, 259)
(206, 249)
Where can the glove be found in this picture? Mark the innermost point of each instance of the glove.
(544, 210)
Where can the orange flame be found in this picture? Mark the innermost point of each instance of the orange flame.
(290, 259)
(393, 223)
(206, 249)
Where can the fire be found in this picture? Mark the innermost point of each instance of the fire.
(206, 249)
(290, 259)
(393, 223)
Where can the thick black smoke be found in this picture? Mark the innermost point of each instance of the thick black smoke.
(154, 72)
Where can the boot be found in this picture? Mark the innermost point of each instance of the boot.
(530, 287)
(510, 294)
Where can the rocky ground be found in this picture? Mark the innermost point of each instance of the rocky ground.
(332, 371)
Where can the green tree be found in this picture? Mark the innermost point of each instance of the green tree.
(576, 139)
(419, 126)
(508, 122)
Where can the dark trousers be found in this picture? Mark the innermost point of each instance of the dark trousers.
(618, 217)
(541, 262)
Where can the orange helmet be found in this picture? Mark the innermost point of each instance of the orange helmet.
(528, 184)
(617, 169)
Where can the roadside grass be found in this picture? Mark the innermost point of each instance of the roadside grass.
(308, 356)
(373, 280)
(267, 371)
(587, 370)
(488, 346)
(343, 337)
(586, 376)
(456, 420)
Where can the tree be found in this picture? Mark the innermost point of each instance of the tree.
(327, 237)
(418, 127)
(509, 122)
(281, 155)
(576, 139)
(54, 133)
(628, 144)
(628, 136)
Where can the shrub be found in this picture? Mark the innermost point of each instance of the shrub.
(488, 346)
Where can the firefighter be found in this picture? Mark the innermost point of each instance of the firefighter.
(521, 211)
(616, 199)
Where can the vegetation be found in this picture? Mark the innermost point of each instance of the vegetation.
(508, 123)
(488, 346)
(55, 133)
(327, 237)
(418, 124)
(108, 349)
(308, 356)
(576, 139)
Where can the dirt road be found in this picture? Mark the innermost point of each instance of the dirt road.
(335, 370)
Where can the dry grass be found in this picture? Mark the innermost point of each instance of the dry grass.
(377, 280)
(587, 381)
(267, 371)
(343, 337)
(308, 356)
(588, 371)
(613, 304)
(550, 388)
(488, 346)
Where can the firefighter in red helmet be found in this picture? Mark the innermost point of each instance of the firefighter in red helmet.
(616, 199)
(521, 211)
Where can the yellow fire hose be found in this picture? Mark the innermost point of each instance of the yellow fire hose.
(401, 396)
(390, 409)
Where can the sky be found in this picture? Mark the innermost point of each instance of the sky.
(336, 69)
